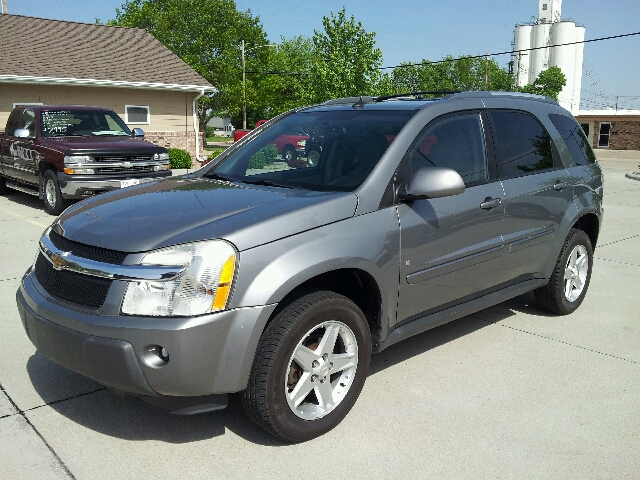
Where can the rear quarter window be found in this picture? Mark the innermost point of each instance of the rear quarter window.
(575, 138)
(522, 144)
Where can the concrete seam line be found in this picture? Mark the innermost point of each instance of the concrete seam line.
(558, 341)
(53, 452)
(28, 220)
(616, 261)
(7, 279)
(65, 399)
(618, 241)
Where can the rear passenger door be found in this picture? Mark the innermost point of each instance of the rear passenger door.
(536, 187)
(451, 247)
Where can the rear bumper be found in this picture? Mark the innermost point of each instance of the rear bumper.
(84, 186)
(210, 354)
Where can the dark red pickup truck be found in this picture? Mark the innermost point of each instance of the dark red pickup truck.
(69, 152)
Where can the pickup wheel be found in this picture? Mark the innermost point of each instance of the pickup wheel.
(53, 202)
(313, 157)
(310, 367)
(289, 153)
(569, 281)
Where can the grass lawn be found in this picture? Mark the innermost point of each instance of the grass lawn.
(219, 139)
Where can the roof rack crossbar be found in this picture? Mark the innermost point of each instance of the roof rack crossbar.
(417, 94)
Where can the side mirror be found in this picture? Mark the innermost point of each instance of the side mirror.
(138, 132)
(21, 133)
(433, 182)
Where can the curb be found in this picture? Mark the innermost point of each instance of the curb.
(633, 175)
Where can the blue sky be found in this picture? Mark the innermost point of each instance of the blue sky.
(410, 30)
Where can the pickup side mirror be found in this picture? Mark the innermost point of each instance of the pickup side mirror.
(138, 133)
(432, 182)
(22, 133)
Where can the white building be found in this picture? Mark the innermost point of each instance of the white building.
(550, 29)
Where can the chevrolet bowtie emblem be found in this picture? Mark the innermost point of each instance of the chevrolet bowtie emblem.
(58, 260)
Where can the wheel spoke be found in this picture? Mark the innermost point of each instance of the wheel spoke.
(328, 341)
(567, 274)
(304, 356)
(342, 361)
(577, 281)
(568, 289)
(324, 394)
(302, 389)
(582, 262)
(573, 257)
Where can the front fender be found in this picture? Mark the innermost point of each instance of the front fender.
(371, 243)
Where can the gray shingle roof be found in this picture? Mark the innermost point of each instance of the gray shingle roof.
(38, 47)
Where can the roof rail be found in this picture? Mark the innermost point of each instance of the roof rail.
(349, 100)
(488, 94)
(416, 94)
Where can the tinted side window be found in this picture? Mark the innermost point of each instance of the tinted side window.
(455, 142)
(522, 144)
(575, 139)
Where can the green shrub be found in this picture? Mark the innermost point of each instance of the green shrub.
(263, 157)
(179, 158)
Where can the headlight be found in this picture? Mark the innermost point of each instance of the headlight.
(205, 287)
(161, 156)
(73, 159)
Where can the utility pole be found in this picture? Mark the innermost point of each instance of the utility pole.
(244, 91)
(486, 70)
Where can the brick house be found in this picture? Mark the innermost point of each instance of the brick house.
(126, 69)
(616, 130)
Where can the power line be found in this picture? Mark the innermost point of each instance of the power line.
(511, 52)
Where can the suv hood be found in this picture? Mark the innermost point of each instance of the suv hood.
(180, 210)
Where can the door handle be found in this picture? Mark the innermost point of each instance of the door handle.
(559, 185)
(490, 203)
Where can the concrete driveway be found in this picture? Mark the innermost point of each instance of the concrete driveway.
(509, 392)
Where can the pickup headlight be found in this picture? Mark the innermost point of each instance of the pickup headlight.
(161, 156)
(205, 287)
(74, 159)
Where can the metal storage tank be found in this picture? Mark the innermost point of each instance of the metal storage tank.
(540, 57)
(564, 57)
(521, 61)
(577, 74)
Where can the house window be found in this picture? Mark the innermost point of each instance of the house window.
(136, 114)
(585, 128)
(544, 6)
(604, 134)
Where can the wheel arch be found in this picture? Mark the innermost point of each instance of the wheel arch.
(589, 223)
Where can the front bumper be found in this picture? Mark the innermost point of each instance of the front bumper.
(82, 186)
(210, 354)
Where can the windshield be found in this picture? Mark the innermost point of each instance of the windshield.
(315, 150)
(82, 123)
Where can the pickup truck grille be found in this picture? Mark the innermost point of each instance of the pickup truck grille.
(74, 287)
(133, 168)
(113, 159)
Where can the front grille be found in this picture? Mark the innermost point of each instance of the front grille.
(87, 251)
(73, 287)
(132, 168)
(134, 158)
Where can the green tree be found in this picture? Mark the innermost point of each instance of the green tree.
(550, 82)
(346, 61)
(206, 34)
(463, 73)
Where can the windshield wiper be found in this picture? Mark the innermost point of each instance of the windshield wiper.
(267, 183)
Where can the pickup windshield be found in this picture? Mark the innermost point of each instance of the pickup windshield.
(81, 123)
(316, 150)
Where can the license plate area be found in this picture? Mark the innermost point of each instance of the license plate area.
(129, 183)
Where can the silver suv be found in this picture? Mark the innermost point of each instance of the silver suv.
(279, 280)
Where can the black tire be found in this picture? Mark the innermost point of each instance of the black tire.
(289, 153)
(54, 204)
(562, 296)
(275, 374)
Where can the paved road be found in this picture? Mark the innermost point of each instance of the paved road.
(506, 393)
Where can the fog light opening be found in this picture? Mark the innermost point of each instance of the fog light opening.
(155, 356)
